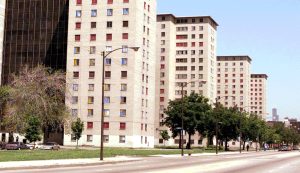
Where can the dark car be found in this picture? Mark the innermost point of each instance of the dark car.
(16, 146)
(285, 148)
(50, 146)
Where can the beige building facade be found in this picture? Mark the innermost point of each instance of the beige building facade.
(186, 55)
(258, 92)
(129, 98)
(233, 81)
(2, 17)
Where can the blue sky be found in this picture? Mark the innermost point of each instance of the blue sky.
(266, 30)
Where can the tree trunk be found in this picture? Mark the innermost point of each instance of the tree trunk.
(226, 148)
(188, 146)
(180, 141)
(77, 144)
(244, 145)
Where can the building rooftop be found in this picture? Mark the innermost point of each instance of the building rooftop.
(234, 58)
(210, 19)
(259, 76)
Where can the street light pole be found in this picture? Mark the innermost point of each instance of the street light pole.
(104, 55)
(181, 132)
(217, 128)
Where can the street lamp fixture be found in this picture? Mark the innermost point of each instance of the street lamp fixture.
(104, 55)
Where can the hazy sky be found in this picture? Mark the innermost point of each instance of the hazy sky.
(266, 30)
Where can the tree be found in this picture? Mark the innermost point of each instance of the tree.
(39, 92)
(191, 109)
(165, 135)
(33, 129)
(4, 97)
(77, 128)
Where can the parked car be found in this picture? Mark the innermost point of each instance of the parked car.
(50, 146)
(285, 148)
(37, 145)
(16, 146)
(295, 147)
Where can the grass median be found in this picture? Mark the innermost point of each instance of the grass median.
(25, 155)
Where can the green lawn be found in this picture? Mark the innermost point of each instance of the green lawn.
(80, 153)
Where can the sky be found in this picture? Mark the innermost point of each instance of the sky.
(266, 30)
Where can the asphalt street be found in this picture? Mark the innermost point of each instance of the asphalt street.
(260, 162)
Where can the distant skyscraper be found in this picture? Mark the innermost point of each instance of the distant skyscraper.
(258, 94)
(275, 116)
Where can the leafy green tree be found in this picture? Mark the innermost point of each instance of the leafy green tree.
(33, 130)
(165, 135)
(77, 129)
(4, 97)
(191, 109)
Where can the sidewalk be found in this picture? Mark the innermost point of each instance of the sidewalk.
(65, 162)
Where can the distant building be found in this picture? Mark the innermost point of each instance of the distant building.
(275, 116)
(258, 94)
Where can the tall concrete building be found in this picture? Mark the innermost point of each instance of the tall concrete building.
(2, 17)
(233, 81)
(258, 92)
(129, 98)
(35, 32)
(186, 54)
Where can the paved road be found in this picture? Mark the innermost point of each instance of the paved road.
(269, 162)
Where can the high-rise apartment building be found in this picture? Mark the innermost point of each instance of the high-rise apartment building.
(35, 32)
(258, 99)
(186, 55)
(2, 17)
(233, 81)
(129, 97)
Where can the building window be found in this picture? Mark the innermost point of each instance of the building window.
(78, 2)
(94, 2)
(106, 87)
(93, 13)
(76, 62)
(94, 25)
(89, 125)
(123, 87)
(90, 100)
(89, 138)
(125, 1)
(122, 112)
(78, 25)
(91, 75)
(106, 112)
(106, 138)
(76, 50)
(107, 74)
(109, 12)
(125, 11)
(74, 112)
(125, 36)
(74, 99)
(124, 61)
(92, 49)
(123, 74)
(108, 37)
(78, 13)
(91, 87)
(122, 126)
(125, 24)
(106, 125)
(106, 100)
(122, 100)
(75, 75)
(75, 87)
(77, 38)
(124, 49)
(107, 61)
(92, 62)
(122, 139)
(109, 24)
(93, 37)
